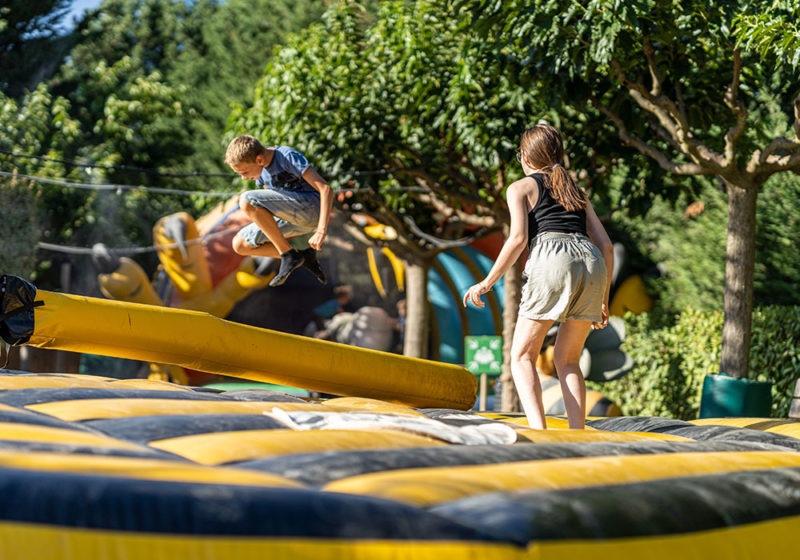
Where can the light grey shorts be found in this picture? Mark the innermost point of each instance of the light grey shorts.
(566, 279)
(296, 213)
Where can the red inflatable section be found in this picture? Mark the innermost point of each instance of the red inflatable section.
(219, 255)
(490, 245)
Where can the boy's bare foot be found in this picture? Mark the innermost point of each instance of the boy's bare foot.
(312, 264)
(291, 260)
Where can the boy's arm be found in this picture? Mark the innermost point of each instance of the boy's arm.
(325, 204)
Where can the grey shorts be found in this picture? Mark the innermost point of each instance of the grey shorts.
(296, 213)
(566, 279)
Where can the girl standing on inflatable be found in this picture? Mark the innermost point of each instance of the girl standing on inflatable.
(566, 278)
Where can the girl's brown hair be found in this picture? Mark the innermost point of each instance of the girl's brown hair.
(542, 147)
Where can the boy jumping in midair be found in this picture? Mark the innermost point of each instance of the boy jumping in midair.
(295, 200)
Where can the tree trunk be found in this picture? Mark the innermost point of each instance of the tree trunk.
(512, 286)
(417, 324)
(738, 302)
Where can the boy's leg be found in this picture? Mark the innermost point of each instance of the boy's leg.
(567, 353)
(265, 221)
(528, 337)
(311, 263)
(241, 245)
(271, 211)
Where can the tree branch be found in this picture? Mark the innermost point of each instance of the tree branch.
(448, 211)
(659, 156)
(784, 162)
(797, 118)
(649, 53)
(759, 158)
(442, 243)
(732, 101)
(671, 119)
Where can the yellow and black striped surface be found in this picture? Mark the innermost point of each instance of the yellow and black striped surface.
(95, 468)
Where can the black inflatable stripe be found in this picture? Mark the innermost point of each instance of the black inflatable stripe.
(261, 395)
(707, 432)
(143, 429)
(317, 469)
(661, 507)
(637, 424)
(68, 449)
(601, 407)
(126, 504)
(26, 397)
(4, 372)
(37, 419)
(456, 417)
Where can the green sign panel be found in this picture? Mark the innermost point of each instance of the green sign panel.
(483, 354)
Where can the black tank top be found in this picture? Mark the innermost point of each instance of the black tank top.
(549, 216)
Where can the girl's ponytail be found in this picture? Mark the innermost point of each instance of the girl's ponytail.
(543, 148)
(565, 191)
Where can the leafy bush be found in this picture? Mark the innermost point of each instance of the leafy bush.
(671, 235)
(18, 228)
(673, 356)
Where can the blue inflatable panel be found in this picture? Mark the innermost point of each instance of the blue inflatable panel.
(451, 341)
(484, 263)
(479, 320)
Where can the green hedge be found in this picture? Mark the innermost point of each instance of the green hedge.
(672, 360)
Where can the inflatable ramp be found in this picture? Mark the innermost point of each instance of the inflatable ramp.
(200, 341)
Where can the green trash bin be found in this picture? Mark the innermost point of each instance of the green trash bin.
(725, 396)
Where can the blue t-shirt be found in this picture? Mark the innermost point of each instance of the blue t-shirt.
(285, 171)
(328, 309)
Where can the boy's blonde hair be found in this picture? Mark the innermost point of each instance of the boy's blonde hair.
(243, 149)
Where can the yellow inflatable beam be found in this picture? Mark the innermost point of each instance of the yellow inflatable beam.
(200, 341)
(435, 485)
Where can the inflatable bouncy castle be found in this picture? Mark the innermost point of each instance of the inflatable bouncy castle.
(396, 468)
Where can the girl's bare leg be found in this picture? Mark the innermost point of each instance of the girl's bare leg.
(569, 344)
(528, 338)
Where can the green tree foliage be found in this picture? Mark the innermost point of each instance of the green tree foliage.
(686, 238)
(776, 33)
(193, 59)
(407, 111)
(222, 64)
(38, 124)
(673, 358)
(19, 228)
(672, 81)
(30, 44)
(148, 84)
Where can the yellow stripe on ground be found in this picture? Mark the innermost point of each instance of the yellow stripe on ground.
(147, 385)
(23, 540)
(225, 447)
(139, 468)
(9, 408)
(13, 382)
(585, 436)
(783, 426)
(92, 409)
(355, 404)
(736, 422)
(424, 487)
(10, 431)
(552, 422)
(774, 539)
